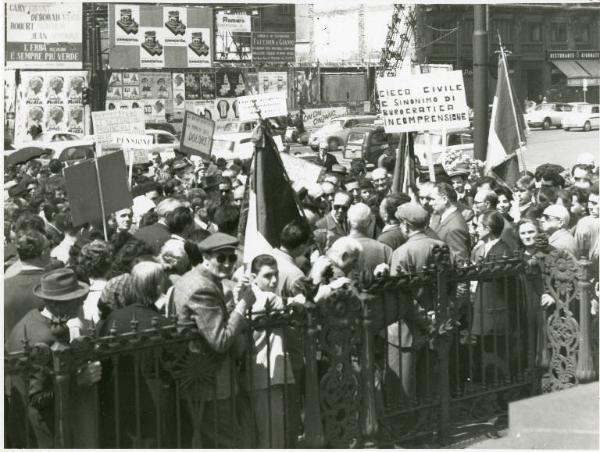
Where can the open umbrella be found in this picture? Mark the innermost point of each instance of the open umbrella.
(25, 154)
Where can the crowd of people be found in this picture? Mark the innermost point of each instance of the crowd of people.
(177, 252)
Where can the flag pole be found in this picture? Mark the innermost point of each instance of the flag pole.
(101, 199)
(512, 103)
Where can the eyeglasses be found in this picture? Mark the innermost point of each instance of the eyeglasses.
(581, 179)
(229, 258)
(340, 207)
(225, 192)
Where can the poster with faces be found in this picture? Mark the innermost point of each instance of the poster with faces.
(161, 88)
(75, 118)
(75, 85)
(127, 28)
(146, 81)
(272, 82)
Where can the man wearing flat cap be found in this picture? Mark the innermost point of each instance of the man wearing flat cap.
(198, 295)
(62, 296)
(411, 256)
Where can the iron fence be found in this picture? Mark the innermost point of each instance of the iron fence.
(404, 361)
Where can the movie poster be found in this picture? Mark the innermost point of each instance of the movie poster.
(146, 80)
(127, 24)
(161, 88)
(152, 52)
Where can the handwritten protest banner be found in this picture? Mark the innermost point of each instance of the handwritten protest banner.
(109, 122)
(269, 104)
(197, 135)
(317, 117)
(412, 103)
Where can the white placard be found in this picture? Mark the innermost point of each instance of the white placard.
(197, 134)
(269, 105)
(412, 103)
(132, 140)
(108, 122)
(301, 172)
(233, 22)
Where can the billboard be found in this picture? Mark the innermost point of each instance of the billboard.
(150, 36)
(43, 35)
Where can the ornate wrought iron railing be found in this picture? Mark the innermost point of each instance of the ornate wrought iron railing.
(366, 366)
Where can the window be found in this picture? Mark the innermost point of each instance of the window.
(582, 32)
(165, 139)
(595, 109)
(457, 139)
(559, 32)
(534, 32)
(378, 139)
(356, 139)
(248, 127)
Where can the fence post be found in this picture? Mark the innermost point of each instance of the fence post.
(585, 365)
(369, 413)
(442, 343)
(313, 428)
(61, 358)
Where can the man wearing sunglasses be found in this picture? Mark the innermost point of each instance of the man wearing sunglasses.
(336, 220)
(199, 295)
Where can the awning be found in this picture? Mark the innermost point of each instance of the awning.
(578, 70)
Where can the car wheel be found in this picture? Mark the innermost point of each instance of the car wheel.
(546, 124)
(566, 129)
(333, 144)
(587, 126)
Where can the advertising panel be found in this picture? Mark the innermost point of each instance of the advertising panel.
(43, 35)
(233, 37)
(49, 101)
(152, 36)
(273, 47)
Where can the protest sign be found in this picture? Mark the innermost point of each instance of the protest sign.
(269, 105)
(97, 186)
(422, 102)
(108, 122)
(197, 135)
(136, 147)
(301, 172)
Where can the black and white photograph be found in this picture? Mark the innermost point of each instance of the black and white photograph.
(344, 224)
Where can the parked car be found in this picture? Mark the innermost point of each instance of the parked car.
(163, 141)
(232, 146)
(47, 137)
(583, 116)
(167, 127)
(547, 115)
(368, 142)
(443, 141)
(335, 132)
(236, 127)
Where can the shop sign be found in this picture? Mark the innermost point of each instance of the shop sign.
(273, 47)
(43, 35)
(235, 23)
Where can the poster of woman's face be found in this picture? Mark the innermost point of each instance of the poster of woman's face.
(75, 124)
(55, 87)
(34, 87)
(54, 120)
(76, 85)
(35, 116)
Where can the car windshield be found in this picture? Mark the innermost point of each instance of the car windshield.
(543, 107)
(336, 123)
(356, 138)
(231, 127)
(421, 138)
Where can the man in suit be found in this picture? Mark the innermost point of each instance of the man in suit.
(158, 233)
(373, 253)
(448, 223)
(33, 249)
(198, 295)
(488, 200)
(392, 235)
(325, 158)
(335, 222)
(61, 296)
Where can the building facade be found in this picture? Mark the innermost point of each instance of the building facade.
(554, 47)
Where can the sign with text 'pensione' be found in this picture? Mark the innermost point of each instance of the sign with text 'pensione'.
(412, 103)
(268, 104)
(106, 123)
(136, 147)
(197, 135)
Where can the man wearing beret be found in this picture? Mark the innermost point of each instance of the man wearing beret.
(198, 295)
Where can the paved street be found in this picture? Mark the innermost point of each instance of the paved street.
(559, 146)
(543, 146)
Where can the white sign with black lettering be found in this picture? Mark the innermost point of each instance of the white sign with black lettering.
(113, 121)
(197, 134)
(269, 105)
(412, 103)
(135, 146)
